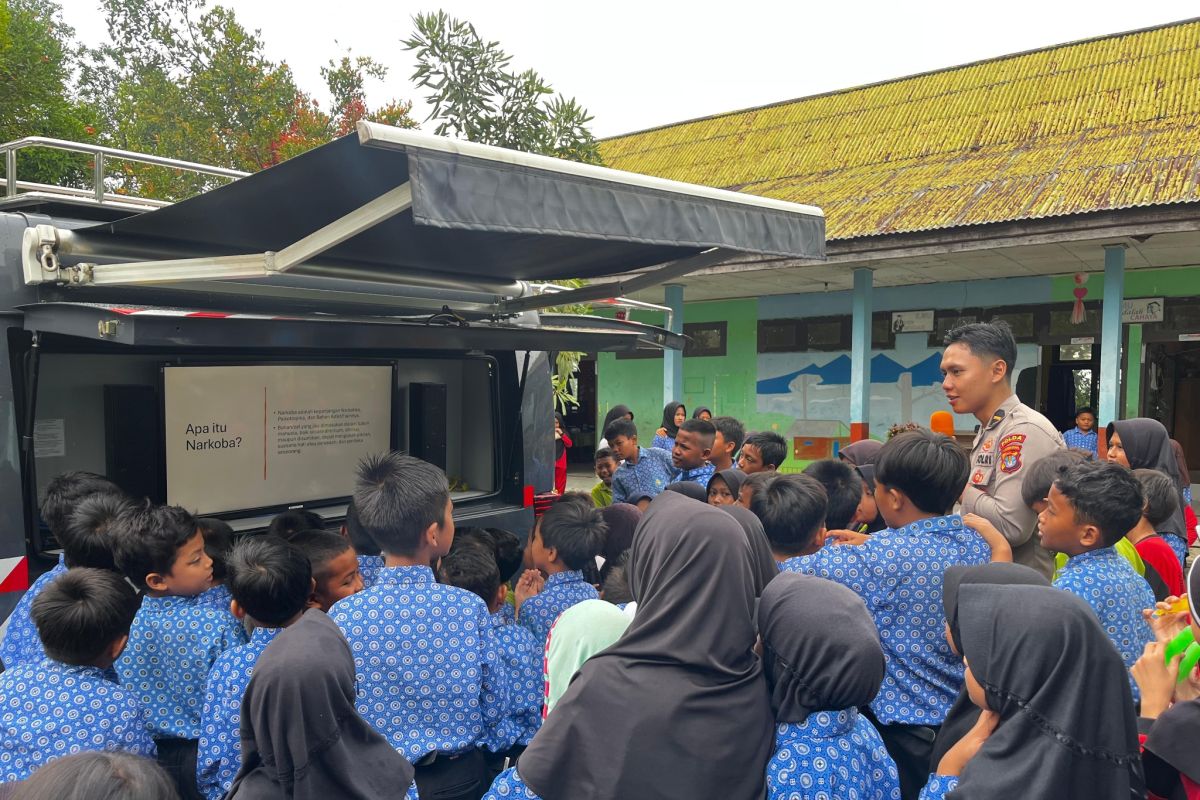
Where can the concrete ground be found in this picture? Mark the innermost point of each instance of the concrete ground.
(580, 478)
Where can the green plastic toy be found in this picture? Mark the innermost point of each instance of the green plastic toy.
(1185, 643)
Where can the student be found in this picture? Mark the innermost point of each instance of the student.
(615, 586)
(64, 493)
(218, 541)
(270, 582)
(1083, 436)
(564, 539)
(1191, 524)
(693, 446)
(763, 565)
(175, 638)
(843, 486)
(726, 443)
(301, 734)
(641, 501)
(898, 572)
(674, 415)
(862, 455)
(622, 520)
(762, 452)
(1162, 501)
(370, 562)
(334, 566)
(753, 483)
(650, 716)
(1143, 444)
(823, 661)
(64, 704)
(294, 521)
(689, 489)
(578, 634)
(90, 776)
(606, 465)
(792, 510)
(88, 536)
(472, 566)
(1043, 731)
(644, 471)
(703, 412)
(1090, 506)
(725, 487)
(615, 413)
(407, 625)
(562, 443)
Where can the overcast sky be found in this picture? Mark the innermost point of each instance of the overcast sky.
(636, 65)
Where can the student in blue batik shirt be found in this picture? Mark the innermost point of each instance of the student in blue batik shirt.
(21, 644)
(674, 415)
(792, 511)
(898, 572)
(218, 541)
(64, 704)
(472, 565)
(370, 562)
(566, 538)
(823, 661)
(175, 638)
(644, 471)
(334, 566)
(271, 582)
(430, 677)
(1089, 508)
(689, 456)
(1083, 436)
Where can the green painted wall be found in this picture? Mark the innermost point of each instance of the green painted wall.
(1177, 282)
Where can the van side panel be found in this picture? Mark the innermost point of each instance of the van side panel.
(537, 422)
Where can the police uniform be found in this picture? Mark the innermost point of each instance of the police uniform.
(1015, 437)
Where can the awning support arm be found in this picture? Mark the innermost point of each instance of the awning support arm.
(384, 207)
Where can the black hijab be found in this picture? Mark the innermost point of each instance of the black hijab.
(762, 560)
(861, 453)
(689, 489)
(1147, 446)
(821, 650)
(1173, 737)
(694, 719)
(734, 478)
(964, 714)
(1067, 725)
(696, 414)
(614, 414)
(622, 520)
(669, 418)
(301, 735)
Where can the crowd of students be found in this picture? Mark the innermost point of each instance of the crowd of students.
(701, 625)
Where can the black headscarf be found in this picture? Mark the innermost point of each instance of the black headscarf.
(614, 414)
(964, 714)
(689, 489)
(694, 718)
(669, 418)
(696, 414)
(622, 520)
(1147, 446)
(301, 735)
(734, 478)
(1067, 725)
(861, 453)
(762, 560)
(821, 650)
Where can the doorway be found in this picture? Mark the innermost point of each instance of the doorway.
(1172, 394)
(1071, 382)
(580, 418)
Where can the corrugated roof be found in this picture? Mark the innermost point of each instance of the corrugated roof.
(1102, 124)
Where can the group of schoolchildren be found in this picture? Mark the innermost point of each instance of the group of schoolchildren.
(715, 631)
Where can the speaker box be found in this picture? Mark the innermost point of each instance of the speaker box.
(132, 434)
(427, 422)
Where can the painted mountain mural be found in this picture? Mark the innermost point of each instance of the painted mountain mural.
(837, 373)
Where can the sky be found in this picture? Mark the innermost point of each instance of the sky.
(638, 65)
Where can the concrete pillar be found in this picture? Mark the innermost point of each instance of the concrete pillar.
(1133, 373)
(1110, 334)
(673, 359)
(860, 356)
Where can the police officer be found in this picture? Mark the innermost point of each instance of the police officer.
(977, 367)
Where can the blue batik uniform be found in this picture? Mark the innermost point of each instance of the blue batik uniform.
(663, 443)
(795, 564)
(1106, 582)
(219, 756)
(1089, 441)
(22, 645)
(430, 677)
(701, 475)
(50, 709)
(650, 475)
(898, 573)
(509, 786)
(219, 597)
(831, 754)
(523, 662)
(172, 646)
(938, 787)
(562, 590)
(368, 568)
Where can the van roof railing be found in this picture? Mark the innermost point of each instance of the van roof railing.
(99, 193)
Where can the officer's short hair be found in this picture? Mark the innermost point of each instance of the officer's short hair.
(983, 339)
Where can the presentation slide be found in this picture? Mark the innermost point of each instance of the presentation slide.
(240, 437)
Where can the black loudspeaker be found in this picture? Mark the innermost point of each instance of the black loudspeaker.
(427, 422)
(132, 434)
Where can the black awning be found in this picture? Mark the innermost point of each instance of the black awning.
(150, 326)
(477, 212)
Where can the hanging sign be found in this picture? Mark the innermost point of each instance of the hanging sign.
(1142, 309)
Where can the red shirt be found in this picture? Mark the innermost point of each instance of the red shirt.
(1158, 554)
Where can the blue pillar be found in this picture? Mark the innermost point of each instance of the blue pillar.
(860, 357)
(1110, 333)
(673, 359)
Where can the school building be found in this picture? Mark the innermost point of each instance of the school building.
(1057, 189)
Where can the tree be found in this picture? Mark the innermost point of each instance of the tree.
(35, 98)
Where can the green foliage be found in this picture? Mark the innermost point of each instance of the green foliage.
(475, 95)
